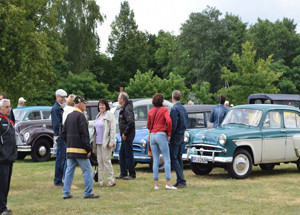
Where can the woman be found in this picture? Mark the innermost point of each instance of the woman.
(104, 141)
(160, 125)
(69, 107)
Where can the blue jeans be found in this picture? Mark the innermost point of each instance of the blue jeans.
(159, 142)
(176, 162)
(60, 162)
(87, 174)
(126, 159)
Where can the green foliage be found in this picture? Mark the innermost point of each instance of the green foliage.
(251, 76)
(145, 86)
(202, 94)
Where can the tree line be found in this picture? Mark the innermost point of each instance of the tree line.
(50, 44)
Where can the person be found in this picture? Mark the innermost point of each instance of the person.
(127, 132)
(69, 107)
(218, 112)
(56, 118)
(160, 126)
(8, 153)
(104, 139)
(226, 104)
(179, 119)
(21, 102)
(76, 133)
(11, 114)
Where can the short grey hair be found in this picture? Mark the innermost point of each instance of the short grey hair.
(176, 95)
(2, 101)
(124, 96)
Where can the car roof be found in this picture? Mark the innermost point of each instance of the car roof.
(30, 108)
(276, 97)
(266, 107)
(198, 108)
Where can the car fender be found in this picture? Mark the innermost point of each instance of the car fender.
(296, 142)
(43, 135)
(254, 147)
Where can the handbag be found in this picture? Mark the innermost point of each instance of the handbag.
(95, 177)
(149, 148)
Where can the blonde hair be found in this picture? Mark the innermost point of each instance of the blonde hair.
(70, 100)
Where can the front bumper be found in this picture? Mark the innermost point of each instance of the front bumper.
(212, 159)
(24, 148)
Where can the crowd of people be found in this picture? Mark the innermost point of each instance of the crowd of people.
(72, 140)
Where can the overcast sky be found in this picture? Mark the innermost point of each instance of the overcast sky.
(169, 15)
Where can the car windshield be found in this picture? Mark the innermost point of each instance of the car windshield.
(19, 114)
(243, 116)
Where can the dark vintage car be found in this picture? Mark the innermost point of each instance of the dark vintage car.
(198, 118)
(280, 99)
(30, 113)
(36, 137)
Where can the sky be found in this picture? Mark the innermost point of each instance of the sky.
(169, 15)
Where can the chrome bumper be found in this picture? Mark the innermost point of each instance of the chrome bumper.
(214, 159)
(24, 148)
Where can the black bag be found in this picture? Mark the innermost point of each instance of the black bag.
(95, 174)
(93, 159)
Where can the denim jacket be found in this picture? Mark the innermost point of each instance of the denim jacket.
(179, 119)
(56, 117)
(217, 115)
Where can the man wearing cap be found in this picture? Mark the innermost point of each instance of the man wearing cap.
(21, 102)
(76, 133)
(56, 117)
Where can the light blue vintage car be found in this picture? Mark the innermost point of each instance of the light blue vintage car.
(264, 135)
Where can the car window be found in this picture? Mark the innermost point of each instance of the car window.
(140, 113)
(196, 120)
(19, 114)
(46, 114)
(34, 115)
(273, 120)
(291, 120)
(209, 124)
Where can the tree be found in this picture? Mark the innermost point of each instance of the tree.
(202, 94)
(127, 46)
(251, 76)
(78, 23)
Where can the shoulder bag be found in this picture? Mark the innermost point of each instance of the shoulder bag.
(149, 148)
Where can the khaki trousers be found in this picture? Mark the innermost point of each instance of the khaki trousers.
(104, 164)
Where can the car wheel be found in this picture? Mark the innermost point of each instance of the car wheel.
(298, 164)
(201, 169)
(267, 167)
(161, 166)
(241, 166)
(21, 155)
(41, 150)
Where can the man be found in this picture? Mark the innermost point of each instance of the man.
(218, 112)
(11, 115)
(56, 117)
(226, 104)
(179, 119)
(21, 102)
(127, 132)
(76, 134)
(8, 153)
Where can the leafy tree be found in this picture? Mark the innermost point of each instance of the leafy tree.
(251, 76)
(127, 46)
(202, 94)
(78, 23)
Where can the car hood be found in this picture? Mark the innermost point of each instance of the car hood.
(25, 125)
(211, 136)
(140, 134)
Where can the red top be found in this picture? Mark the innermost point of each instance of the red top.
(162, 121)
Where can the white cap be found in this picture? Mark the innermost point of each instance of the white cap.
(226, 103)
(21, 99)
(61, 93)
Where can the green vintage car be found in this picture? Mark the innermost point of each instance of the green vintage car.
(264, 135)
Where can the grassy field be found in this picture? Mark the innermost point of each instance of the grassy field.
(276, 192)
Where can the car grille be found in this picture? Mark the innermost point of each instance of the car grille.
(207, 150)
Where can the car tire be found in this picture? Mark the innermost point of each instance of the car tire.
(21, 155)
(267, 166)
(41, 150)
(241, 166)
(161, 167)
(298, 164)
(201, 169)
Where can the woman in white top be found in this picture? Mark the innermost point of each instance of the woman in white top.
(103, 142)
(69, 107)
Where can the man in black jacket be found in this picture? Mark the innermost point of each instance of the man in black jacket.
(8, 153)
(127, 132)
(76, 134)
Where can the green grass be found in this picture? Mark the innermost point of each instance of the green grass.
(275, 192)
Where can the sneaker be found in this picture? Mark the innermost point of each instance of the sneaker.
(180, 185)
(92, 196)
(73, 187)
(156, 187)
(67, 197)
(129, 177)
(120, 177)
(176, 184)
(59, 184)
(170, 187)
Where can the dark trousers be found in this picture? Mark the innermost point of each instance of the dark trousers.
(60, 162)
(5, 176)
(176, 162)
(126, 159)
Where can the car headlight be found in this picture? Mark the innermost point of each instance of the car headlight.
(186, 137)
(222, 139)
(143, 143)
(26, 136)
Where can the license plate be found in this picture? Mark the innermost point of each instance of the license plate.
(199, 159)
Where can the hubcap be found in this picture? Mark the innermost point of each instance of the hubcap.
(241, 164)
(42, 151)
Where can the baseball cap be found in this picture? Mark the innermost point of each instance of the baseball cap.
(61, 93)
(21, 99)
(80, 99)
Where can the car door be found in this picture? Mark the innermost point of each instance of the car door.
(291, 121)
(274, 137)
(46, 114)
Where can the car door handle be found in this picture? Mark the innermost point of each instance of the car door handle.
(283, 131)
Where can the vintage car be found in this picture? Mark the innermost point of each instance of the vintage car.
(198, 118)
(29, 113)
(36, 137)
(258, 134)
(280, 99)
